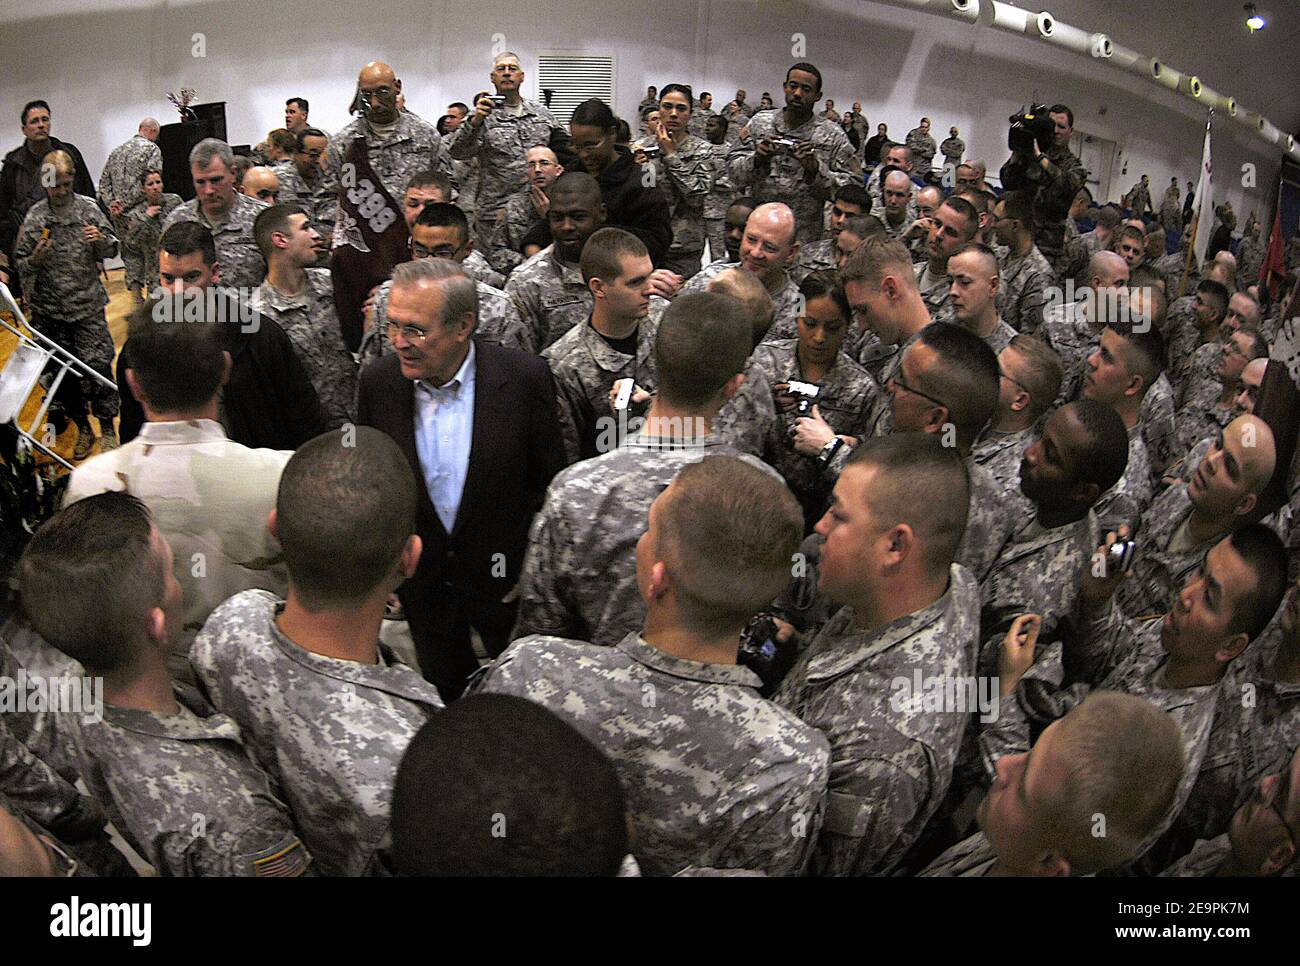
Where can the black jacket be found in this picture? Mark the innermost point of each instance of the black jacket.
(20, 187)
(516, 449)
(628, 204)
(269, 402)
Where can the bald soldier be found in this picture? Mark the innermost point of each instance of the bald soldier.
(262, 184)
(1073, 329)
(524, 210)
(372, 160)
(899, 209)
(768, 250)
(499, 136)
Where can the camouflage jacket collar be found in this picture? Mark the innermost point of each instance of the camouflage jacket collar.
(568, 274)
(185, 433)
(317, 284)
(1084, 531)
(841, 648)
(997, 442)
(610, 359)
(391, 677)
(635, 647)
(197, 720)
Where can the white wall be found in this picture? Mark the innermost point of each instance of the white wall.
(103, 68)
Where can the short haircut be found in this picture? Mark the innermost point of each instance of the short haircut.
(201, 154)
(178, 360)
(704, 94)
(967, 211)
(300, 140)
(460, 104)
(1109, 216)
(912, 463)
(29, 105)
(89, 577)
(186, 237)
(854, 194)
(1041, 372)
(1131, 232)
(1159, 306)
(1105, 457)
(623, 131)
(443, 214)
(807, 68)
(825, 283)
(459, 292)
(1146, 352)
(987, 255)
(1144, 276)
(703, 340)
(1062, 109)
(428, 178)
(864, 226)
(877, 257)
(1264, 553)
(746, 289)
(593, 112)
(497, 758)
(1132, 783)
(284, 139)
(602, 255)
(967, 378)
(1020, 206)
(144, 175)
(442, 124)
(271, 220)
(301, 102)
(344, 510)
(978, 199)
(577, 183)
(728, 533)
(1217, 291)
(1258, 344)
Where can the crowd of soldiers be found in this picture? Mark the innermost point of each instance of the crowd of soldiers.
(462, 516)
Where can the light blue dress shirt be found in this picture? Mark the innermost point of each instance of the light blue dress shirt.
(444, 433)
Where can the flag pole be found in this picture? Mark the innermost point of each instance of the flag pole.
(1196, 221)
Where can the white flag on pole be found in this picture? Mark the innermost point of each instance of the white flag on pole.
(1205, 202)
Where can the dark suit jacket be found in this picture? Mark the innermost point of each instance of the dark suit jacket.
(515, 451)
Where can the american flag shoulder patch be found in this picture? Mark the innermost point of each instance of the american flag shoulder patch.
(286, 858)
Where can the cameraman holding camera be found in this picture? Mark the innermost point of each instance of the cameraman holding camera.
(1042, 165)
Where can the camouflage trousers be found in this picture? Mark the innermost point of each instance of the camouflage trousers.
(89, 341)
(715, 230)
(138, 272)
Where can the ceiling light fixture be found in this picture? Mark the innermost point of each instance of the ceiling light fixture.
(1253, 20)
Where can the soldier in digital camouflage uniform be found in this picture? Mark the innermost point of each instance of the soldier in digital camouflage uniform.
(306, 182)
(690, 737)
(923, 147)
(499, 138)
(804, 181)
(550, 296)
(1025, 273)
(785, 300)
(685, 165)
(330, 731)
(520, 214)
(721, 191)
(308, 318)
(120, 190)
(206, 809)
(228, 214)
(62, 241)
(144, 231)
(585, 367)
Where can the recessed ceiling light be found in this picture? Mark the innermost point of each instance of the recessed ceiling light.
(1253, 20)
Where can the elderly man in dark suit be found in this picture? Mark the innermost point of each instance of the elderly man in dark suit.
(479, 425)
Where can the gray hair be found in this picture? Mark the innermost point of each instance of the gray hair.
(459, 291)
(202, 153)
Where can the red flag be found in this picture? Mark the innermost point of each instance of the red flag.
(1273, 271)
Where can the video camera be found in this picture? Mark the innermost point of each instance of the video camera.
(1035, 124)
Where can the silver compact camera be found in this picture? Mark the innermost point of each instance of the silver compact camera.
(784, 145)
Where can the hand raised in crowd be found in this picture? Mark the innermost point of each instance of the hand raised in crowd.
(541, 203)
(1101, 580)
(664, 283)
(481, 111)
(42, 250)
(91, 233)
(116, 208)
(812, 433)
(638, 396)
(804, 154)
(1017, 653)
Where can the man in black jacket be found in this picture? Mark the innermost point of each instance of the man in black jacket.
(20, 180)
(269, 401)
(632, 200)
(478, 424)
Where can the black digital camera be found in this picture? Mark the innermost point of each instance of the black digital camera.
(1028, 127)
(763, 654)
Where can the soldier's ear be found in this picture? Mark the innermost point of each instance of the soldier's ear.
(270, 524)
(411, 552)
(156, 625)
(228, 362)
(134, 385)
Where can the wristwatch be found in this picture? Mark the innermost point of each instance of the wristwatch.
(829, 450)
